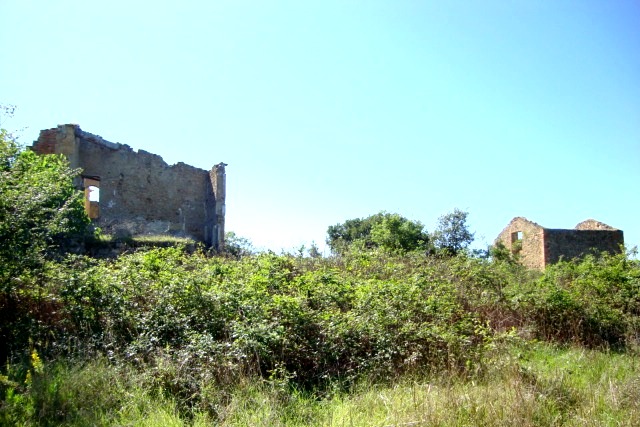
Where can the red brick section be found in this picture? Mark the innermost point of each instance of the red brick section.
(46, 143)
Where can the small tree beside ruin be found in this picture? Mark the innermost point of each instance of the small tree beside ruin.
(452, 234)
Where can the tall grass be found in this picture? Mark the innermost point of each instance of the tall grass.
(544, 386)
(525, 385)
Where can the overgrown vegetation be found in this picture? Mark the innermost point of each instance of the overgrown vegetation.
(536, 385)
(197, 328)
(40, 210)
(390, 331)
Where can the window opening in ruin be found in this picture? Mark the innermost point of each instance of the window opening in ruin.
(92, 196)
(94, 193)
(516, 242)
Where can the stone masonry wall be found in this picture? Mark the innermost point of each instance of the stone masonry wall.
(138, 192)
(592, 224)
(569, 244)
(529, 248)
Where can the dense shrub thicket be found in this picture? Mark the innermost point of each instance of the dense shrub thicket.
(41, 216)
(311, 320)
(196, 323)
(593, 302)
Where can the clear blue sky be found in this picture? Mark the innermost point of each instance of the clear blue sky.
(332, 110)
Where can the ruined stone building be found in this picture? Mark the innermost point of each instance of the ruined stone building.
(537, 246)
(129, 193)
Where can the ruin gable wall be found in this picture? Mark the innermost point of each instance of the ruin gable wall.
(524, 239)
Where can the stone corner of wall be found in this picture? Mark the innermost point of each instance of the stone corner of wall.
(219, 168)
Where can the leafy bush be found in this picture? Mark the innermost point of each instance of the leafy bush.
(41, 213)
(594, 301)
(197, 321)
(40, 209)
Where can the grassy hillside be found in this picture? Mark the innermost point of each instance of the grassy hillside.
(170, 337)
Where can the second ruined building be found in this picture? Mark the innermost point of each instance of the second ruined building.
(537, 246)
(129, 193)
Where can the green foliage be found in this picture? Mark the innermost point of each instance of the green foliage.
(41, 214)
(398, 234)
(236, 246)
(314, 251)
(594, 301)
(95, 393)
(9, 151)
(526, 385)
(197, 321)
(340, 236)
(39, 209)
(383, 230)
(452, 234)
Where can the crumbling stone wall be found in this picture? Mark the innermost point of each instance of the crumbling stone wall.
(138, 192)
(539, 246)
(525, 240)
(592, 224)
(569, 244)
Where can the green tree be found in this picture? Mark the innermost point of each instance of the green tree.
(41, 214)
(341, 236)
(399, 234)
(237, 247)
(452, 234)
(40, 209)
(314, 251)
(389, 231)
